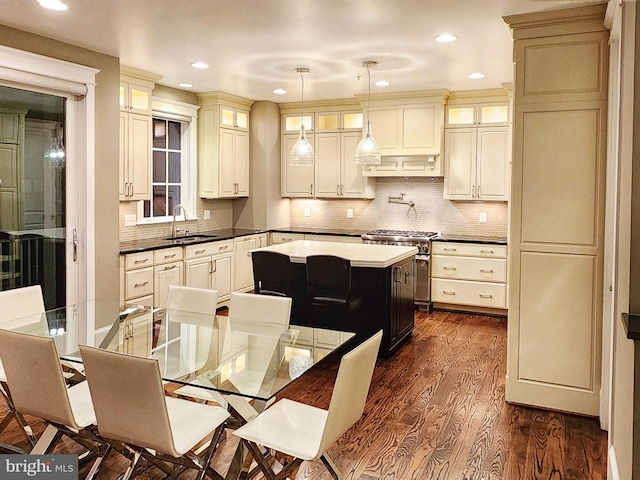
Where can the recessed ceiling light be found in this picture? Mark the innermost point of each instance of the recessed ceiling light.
(476, 75)
(200, 65)
(382, 83)
(185, 85)
(279, 91)
(446, 38)
(53, 4)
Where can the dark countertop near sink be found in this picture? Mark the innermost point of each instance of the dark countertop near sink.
(145, 244)
(320, 231)
(471, 239)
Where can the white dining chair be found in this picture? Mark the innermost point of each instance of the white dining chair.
(260, 308)
(23, 305)
(131, 407)
(38, 388)
(192, 299)
(304, 432)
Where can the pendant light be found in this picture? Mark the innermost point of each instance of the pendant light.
(302, 151)
(367, 151)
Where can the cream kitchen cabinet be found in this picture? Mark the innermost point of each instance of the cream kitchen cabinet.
(137, 270)
(477, 163)
(296, 180)
(167, 270)
(10, 125)
(477, 151)
(223, 137)
(469, 275)
(135, 334)
(210, 265)
(135, 135)
(243, 266)
(336, 173)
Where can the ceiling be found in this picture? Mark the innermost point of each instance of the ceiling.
(254, 46)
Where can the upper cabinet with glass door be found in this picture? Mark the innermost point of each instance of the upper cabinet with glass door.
(478, 115)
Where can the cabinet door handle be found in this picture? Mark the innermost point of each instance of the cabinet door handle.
(450, 249)
(449, 268)
(486, 270)
(486, 251)
(478, 191)
(341, 189)
(213, 266)
(224, 247)
(138, 285)
(337, 189)
(141, 261)
(473, 192)
(287, 239)
(170, 256)
(199, 252)
(485, 295)
(311, 188)
(75, 244)
(406, 277)
(448, 292)
(170, 267)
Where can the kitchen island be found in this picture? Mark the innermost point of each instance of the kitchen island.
(381, 274)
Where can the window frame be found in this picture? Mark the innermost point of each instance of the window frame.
(186, 113)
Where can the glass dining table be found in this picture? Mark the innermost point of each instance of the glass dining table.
(245, 362)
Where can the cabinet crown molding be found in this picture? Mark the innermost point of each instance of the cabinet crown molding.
(559, 21)
(214, 98)
(478, 96)
(406, 98)
(340, 104)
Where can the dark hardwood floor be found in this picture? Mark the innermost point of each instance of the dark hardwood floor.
(436, 410)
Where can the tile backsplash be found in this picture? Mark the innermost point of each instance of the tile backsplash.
(430, 212)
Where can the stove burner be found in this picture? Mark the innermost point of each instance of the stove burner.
(404, 233)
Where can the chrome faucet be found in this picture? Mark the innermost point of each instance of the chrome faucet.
(176, 230)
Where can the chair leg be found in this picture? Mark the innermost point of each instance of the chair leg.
(266, 469)
(333, 470)
(15, 415)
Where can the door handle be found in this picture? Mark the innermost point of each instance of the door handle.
(75, 244)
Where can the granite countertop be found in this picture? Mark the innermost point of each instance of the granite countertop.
(471, 239)
(145, 244)
(360, 255)
(320, 231)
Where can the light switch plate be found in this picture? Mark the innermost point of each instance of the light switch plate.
(130, 220)
(349, 212)
(307, 212)
(207, 214)
(483, 217)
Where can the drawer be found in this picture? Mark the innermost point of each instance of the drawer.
(279, 237)
(333, 238)
(138, 283)
(469, 268)
(138, 260)
(166, 255)
(208, 249)
(469, 249)
(491, 295)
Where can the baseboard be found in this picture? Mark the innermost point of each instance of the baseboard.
(612, 465)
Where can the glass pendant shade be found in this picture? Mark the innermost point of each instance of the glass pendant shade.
(367, 151)
(302, 151)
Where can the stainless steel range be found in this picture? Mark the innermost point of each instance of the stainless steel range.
(422, 264)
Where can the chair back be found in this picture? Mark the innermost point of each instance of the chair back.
(191, 299)
(266, 308)
(328, 279)
(34, 374)
(128, 398)
(350, 390)
(272, 273)
(21, 302)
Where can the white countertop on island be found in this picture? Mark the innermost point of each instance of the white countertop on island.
(360, 255)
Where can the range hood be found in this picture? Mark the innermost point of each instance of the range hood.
(406, 166)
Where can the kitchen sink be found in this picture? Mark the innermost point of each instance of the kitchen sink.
(196, 237)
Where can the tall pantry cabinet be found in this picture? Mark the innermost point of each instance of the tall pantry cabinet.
(557, 208)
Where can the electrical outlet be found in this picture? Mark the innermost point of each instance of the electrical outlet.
(207, 214)
(349, 212)
(483, 217)
(307, 212)
(130, 220)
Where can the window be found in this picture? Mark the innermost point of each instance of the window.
(174, 163)
(167, 165)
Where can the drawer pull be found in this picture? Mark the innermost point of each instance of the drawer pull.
(287, 239)
(200, 252)
(170, 256)
(486, 251)
(485, 295)
(138, 285)
(224, 247)
(450, 249)
(485, 270)
(448, 292)
(170, 267)
(141, 261)
(449, 268)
